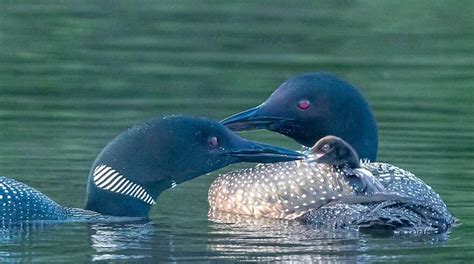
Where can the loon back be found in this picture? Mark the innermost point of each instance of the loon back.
(19, 202)
(316, 193)
(288, 190)
(284, 190)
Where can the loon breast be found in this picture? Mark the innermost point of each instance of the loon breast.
(318, 193)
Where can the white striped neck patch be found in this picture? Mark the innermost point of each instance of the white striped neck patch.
(106, 178)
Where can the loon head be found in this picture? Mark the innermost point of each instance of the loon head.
(134, 168)
(310, 106)
(335, 151)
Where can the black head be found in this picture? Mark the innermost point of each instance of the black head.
(160, 153)
(311, 106)
(335, 151)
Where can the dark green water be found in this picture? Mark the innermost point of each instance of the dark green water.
(75, 74)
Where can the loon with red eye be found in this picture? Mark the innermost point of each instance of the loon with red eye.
(213, 142)
(305, 190)
(304, 104)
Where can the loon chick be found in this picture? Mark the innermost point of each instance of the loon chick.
(336, 152)
(311, 106)
(132, 170)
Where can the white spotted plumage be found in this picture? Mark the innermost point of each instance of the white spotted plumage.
(106, 178)
(290, 190)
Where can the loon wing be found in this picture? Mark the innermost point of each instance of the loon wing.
(420, 209)
(374, 198)
(363, 181)
(405, 217)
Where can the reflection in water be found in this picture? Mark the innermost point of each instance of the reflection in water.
(229, 236)
(147, 241)
(15, 236)
(265, 239)
(121, 241)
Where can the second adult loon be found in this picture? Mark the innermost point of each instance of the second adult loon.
(132, 170)
(307, 108)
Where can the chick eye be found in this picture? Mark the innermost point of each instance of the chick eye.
(325, 147)
(303, 104)
(213, 142)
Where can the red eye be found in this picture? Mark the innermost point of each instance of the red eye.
(213, 142)
(304, 104)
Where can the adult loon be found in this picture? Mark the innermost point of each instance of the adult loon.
(133, 169)
(307, 108)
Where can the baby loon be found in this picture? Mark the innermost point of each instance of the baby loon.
(132, 170)
(334, 151)
(307, 108)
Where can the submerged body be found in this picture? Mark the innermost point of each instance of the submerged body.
(320, 194)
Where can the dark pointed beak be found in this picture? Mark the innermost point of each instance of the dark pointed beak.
(253, 119)
(249, 151)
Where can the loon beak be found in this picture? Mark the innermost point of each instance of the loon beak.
(318, 156)
(252, 119)
(249, 151)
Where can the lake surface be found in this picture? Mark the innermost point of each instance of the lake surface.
(75, 74)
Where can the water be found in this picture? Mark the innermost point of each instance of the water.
(75, 74)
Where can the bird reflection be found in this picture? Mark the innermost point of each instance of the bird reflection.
(226, 237)
(121, 240)
(265, 239)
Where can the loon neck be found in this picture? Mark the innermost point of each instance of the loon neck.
(126, 177)
(110, 192)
